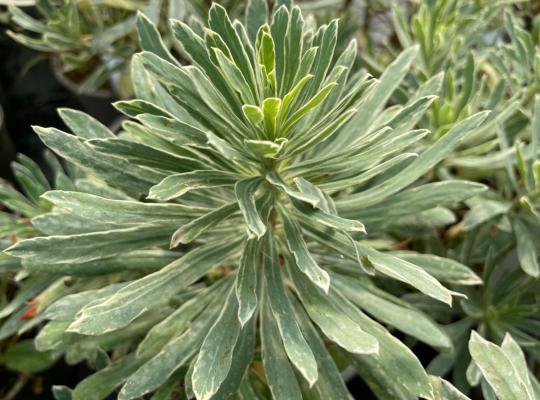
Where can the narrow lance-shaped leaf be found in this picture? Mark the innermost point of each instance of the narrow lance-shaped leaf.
(323, 132)
(329, 384)
(325, 39)
(192, 230)
(17, 202)
(119, 172)
(516, 356)
(136, 107)
(290, 98)
(146, 155)
(394, 367)
(279, 374)
(173, 130)
(220, 23)
(245, 193)
(444, 390)
(310, 189)
(392, 311)
(173, 355)
(177, 185)
(383, 263)
(482, 210)
(420, 198)
(497, 368)
(299, 249)
(89, 246)
(155, 372)
(242, 357)
(275, 179)
(256, 15)
(119, 211)
(246, 281)
(526, 248)
(325, 312)
(295, 118)
(270, 109)
(215, 356)
(359, 126)
(411, 274)
(181, 319)
(150, 38)
(443, 269)
(133, 300)
(407, 118)
(234, 77)
(101, 384)
(330, 220)
(83, 125)
(361, 178)
(419, 166)
(295, 344)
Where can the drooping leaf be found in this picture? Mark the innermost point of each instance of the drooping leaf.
(392, 311)
(245, 193)
(278, 371)
(325, 312)
(303, 259)
(215, 356)
(246, 281)
(294, 343)
(190, 231)
(444, 269)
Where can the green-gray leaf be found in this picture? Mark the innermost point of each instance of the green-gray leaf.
(304, 260)
(526, 248)
(498, 369)
(246, 281)
(215, 356)
(294, 343)
(245, 193)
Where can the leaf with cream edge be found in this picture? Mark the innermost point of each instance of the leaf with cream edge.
(215, 358)
(502, 370)
(246, 281)
(294, 343)
(134, 299)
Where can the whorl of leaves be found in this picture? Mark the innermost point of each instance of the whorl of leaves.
(268, 163)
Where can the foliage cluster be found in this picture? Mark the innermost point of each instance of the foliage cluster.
(284, 201)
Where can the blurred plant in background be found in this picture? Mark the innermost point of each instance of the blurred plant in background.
(91, 43)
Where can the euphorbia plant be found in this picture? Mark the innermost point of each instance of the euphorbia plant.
(262, 159)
